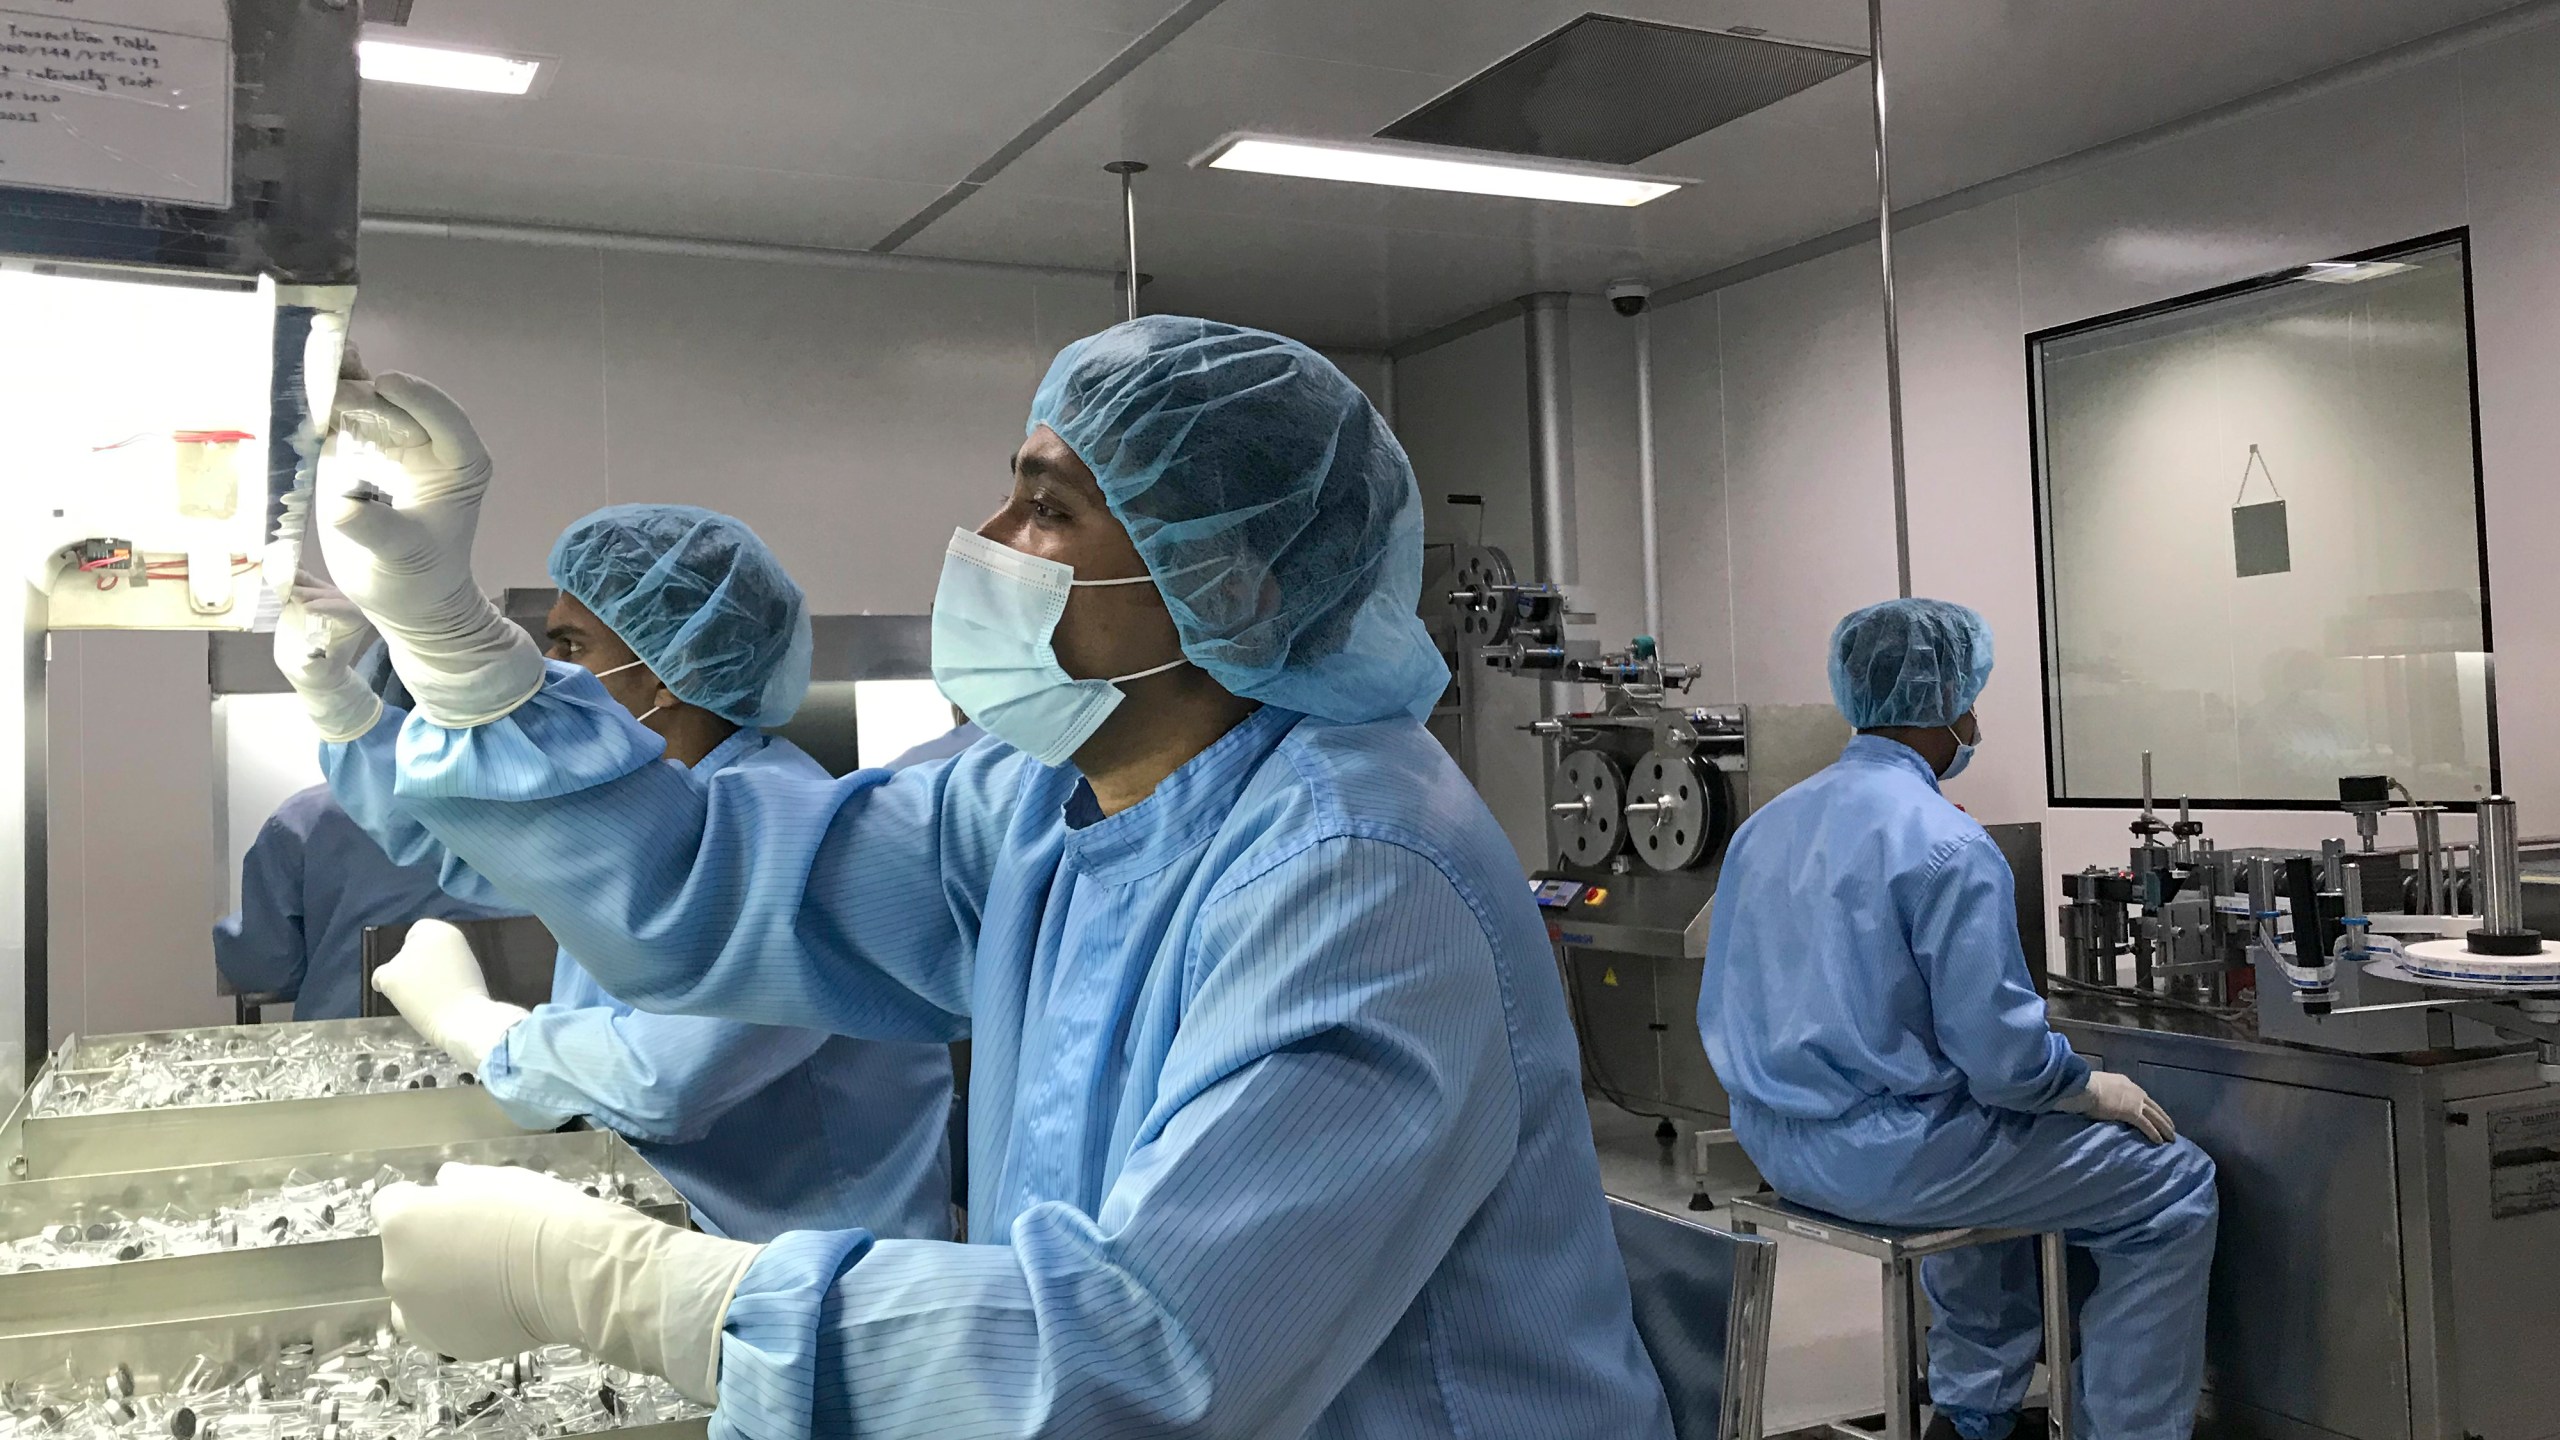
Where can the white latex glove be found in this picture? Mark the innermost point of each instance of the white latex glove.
(319, 637)
(2113, 1097)
(436, 982)
(494, 1260)
(401, 481)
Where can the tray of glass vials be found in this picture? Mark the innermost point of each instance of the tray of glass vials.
(111, 1103)
(247, 1235)
(316, 1372)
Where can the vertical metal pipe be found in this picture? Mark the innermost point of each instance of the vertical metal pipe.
(2054, 1264)
(1892, 315)
(1901, 1352)
(1554, 541)
(1126, 169)
(2262, 889)
(2501, 897)
(1645, 492)
(36, 873)
(2429, 822)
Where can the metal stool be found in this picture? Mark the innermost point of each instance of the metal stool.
(1901, 1251)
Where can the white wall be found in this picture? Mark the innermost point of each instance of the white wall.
(852, 417)
(1770, 402)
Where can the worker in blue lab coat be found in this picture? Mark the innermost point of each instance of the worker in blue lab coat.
(310, 886)
(1868, 1005)
(1276, 1126)
(693, 627)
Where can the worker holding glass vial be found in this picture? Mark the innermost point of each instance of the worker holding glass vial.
(1276, 1123)
(691, 627)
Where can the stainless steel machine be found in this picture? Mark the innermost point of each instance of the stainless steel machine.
(2364, 1039)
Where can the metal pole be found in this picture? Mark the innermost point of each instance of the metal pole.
(2053, 1262)
(1652, 520)
(1125, 169)
(1892, 316)
(35, 876)
(2429, 822)
(1902, 1344)
(1554, 544)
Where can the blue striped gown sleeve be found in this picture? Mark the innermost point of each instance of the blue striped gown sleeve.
(1988, 1019)
(1339, 1101)
(361, 774)
(662, 1078)
(849, 905)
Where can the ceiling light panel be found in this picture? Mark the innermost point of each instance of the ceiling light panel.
(404, 62)
(1419, 167)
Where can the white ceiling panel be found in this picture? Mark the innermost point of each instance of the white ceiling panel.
(631, 193)
(832, 121)
(850, 88)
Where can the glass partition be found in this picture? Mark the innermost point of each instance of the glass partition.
(2260, 540)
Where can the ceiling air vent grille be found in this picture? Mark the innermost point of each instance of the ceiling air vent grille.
(1612, 90)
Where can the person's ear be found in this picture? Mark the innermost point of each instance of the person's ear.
(665, 699)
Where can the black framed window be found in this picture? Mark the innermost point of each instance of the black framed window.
(2260, 548)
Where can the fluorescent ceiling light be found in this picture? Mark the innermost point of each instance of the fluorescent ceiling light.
(402, 63)
(2348, 272)
(1434, 167)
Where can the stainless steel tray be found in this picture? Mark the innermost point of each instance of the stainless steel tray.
(158, 1352)
(41, 1147)
(192, 1287)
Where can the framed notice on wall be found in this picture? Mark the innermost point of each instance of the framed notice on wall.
(126, 98)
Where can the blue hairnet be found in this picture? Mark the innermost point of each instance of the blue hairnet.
(1277, 515)
(699, 597)
(1909, 662)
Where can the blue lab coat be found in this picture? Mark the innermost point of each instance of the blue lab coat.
(310, 886)
(1867, 1003)
(762, 1128)
(1276, 1123)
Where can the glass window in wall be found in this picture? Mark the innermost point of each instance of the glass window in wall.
(2261, 542)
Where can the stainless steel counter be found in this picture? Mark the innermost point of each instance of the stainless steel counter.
(2389, 1263)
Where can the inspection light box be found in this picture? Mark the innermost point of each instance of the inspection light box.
(1436, 167)
(402, 62)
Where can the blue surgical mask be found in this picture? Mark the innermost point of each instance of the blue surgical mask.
(1964, 752)
(994, 616)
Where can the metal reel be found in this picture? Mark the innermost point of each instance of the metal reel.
(1482, 576)
(1672, 809)
(1585, 820)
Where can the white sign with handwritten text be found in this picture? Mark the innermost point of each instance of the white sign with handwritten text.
(117, 97)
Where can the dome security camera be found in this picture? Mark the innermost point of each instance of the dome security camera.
(1628, 297)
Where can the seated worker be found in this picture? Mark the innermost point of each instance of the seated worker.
(1277, 1127)
(691, 625)
(1867, 1004)
(312, 883)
